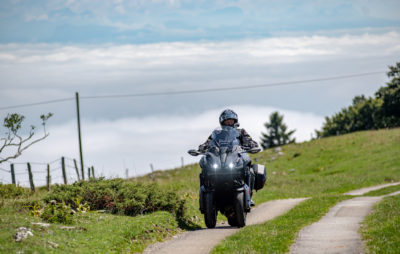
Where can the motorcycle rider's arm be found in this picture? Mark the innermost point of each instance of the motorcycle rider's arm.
(203, 147)
(246, 140)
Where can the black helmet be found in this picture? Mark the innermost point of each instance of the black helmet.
(228, 114)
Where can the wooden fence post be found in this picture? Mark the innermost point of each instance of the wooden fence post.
(76, 169)
(93, 172)
(30, 177)
(183, 162)
(48, 177)
(88, 173)
(83, 174)
(12, 174)
(63, 169)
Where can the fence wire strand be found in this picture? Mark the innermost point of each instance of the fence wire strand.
(5, 170)
(54, 169)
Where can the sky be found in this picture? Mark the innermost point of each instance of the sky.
(51, 49)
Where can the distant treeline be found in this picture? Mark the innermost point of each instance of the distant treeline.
(382, 111)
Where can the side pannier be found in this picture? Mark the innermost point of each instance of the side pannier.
(260, 176)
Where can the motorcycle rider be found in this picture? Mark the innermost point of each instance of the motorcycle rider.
(229, 118)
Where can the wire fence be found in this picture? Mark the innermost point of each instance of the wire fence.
(60, 171)
(67, 170)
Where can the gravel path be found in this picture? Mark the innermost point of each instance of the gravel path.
(203, 240)
(337, 231)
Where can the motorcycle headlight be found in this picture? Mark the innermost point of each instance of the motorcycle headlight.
(215, 165)
(230, 165)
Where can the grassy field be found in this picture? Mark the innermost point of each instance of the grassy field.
(91, 232)
(320, 169)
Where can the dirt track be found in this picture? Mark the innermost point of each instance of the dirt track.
(203, 240)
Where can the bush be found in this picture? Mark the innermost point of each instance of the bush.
(13, 191)
(57, 213)
(117, 196)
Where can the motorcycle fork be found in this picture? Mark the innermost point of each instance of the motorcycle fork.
(246, 191)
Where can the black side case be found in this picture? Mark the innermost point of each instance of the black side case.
(260, 176)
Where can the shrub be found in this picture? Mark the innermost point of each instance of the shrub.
(13, 191)
(57, 213)
(117, 196)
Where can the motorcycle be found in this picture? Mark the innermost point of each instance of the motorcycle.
(226, 177)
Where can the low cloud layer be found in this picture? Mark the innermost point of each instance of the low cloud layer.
(37, 72)
(134, 143)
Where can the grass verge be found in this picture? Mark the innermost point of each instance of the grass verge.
(383, 191)
(381, 229)
(91, 232)
(277, 235)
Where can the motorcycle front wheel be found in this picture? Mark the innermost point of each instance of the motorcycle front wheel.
(232, 221)
(210, 211)
(240, 210)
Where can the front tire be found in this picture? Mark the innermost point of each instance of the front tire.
(232, 221)
(240, 210)
(210, 212)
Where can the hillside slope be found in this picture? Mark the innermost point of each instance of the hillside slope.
(319, 168)
(331, 165)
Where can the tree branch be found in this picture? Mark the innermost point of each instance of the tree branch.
(13, 123)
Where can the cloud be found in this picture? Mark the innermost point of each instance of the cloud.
(134, 143)
(271, 50)
(120, 9)
(41, 17)
(30, 71)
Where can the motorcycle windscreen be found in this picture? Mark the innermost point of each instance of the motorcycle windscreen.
(225, 137)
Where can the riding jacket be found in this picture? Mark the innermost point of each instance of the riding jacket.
(244, 139)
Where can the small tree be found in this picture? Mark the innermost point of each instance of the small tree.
(277, 132)
(383, 111)
(13, 143)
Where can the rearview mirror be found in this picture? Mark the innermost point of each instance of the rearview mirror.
(193, 152)
(254, 150)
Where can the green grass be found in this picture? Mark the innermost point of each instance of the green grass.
(381, 229)
(95, 232)
(332, 165)
(383, 191)
(277, 235)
